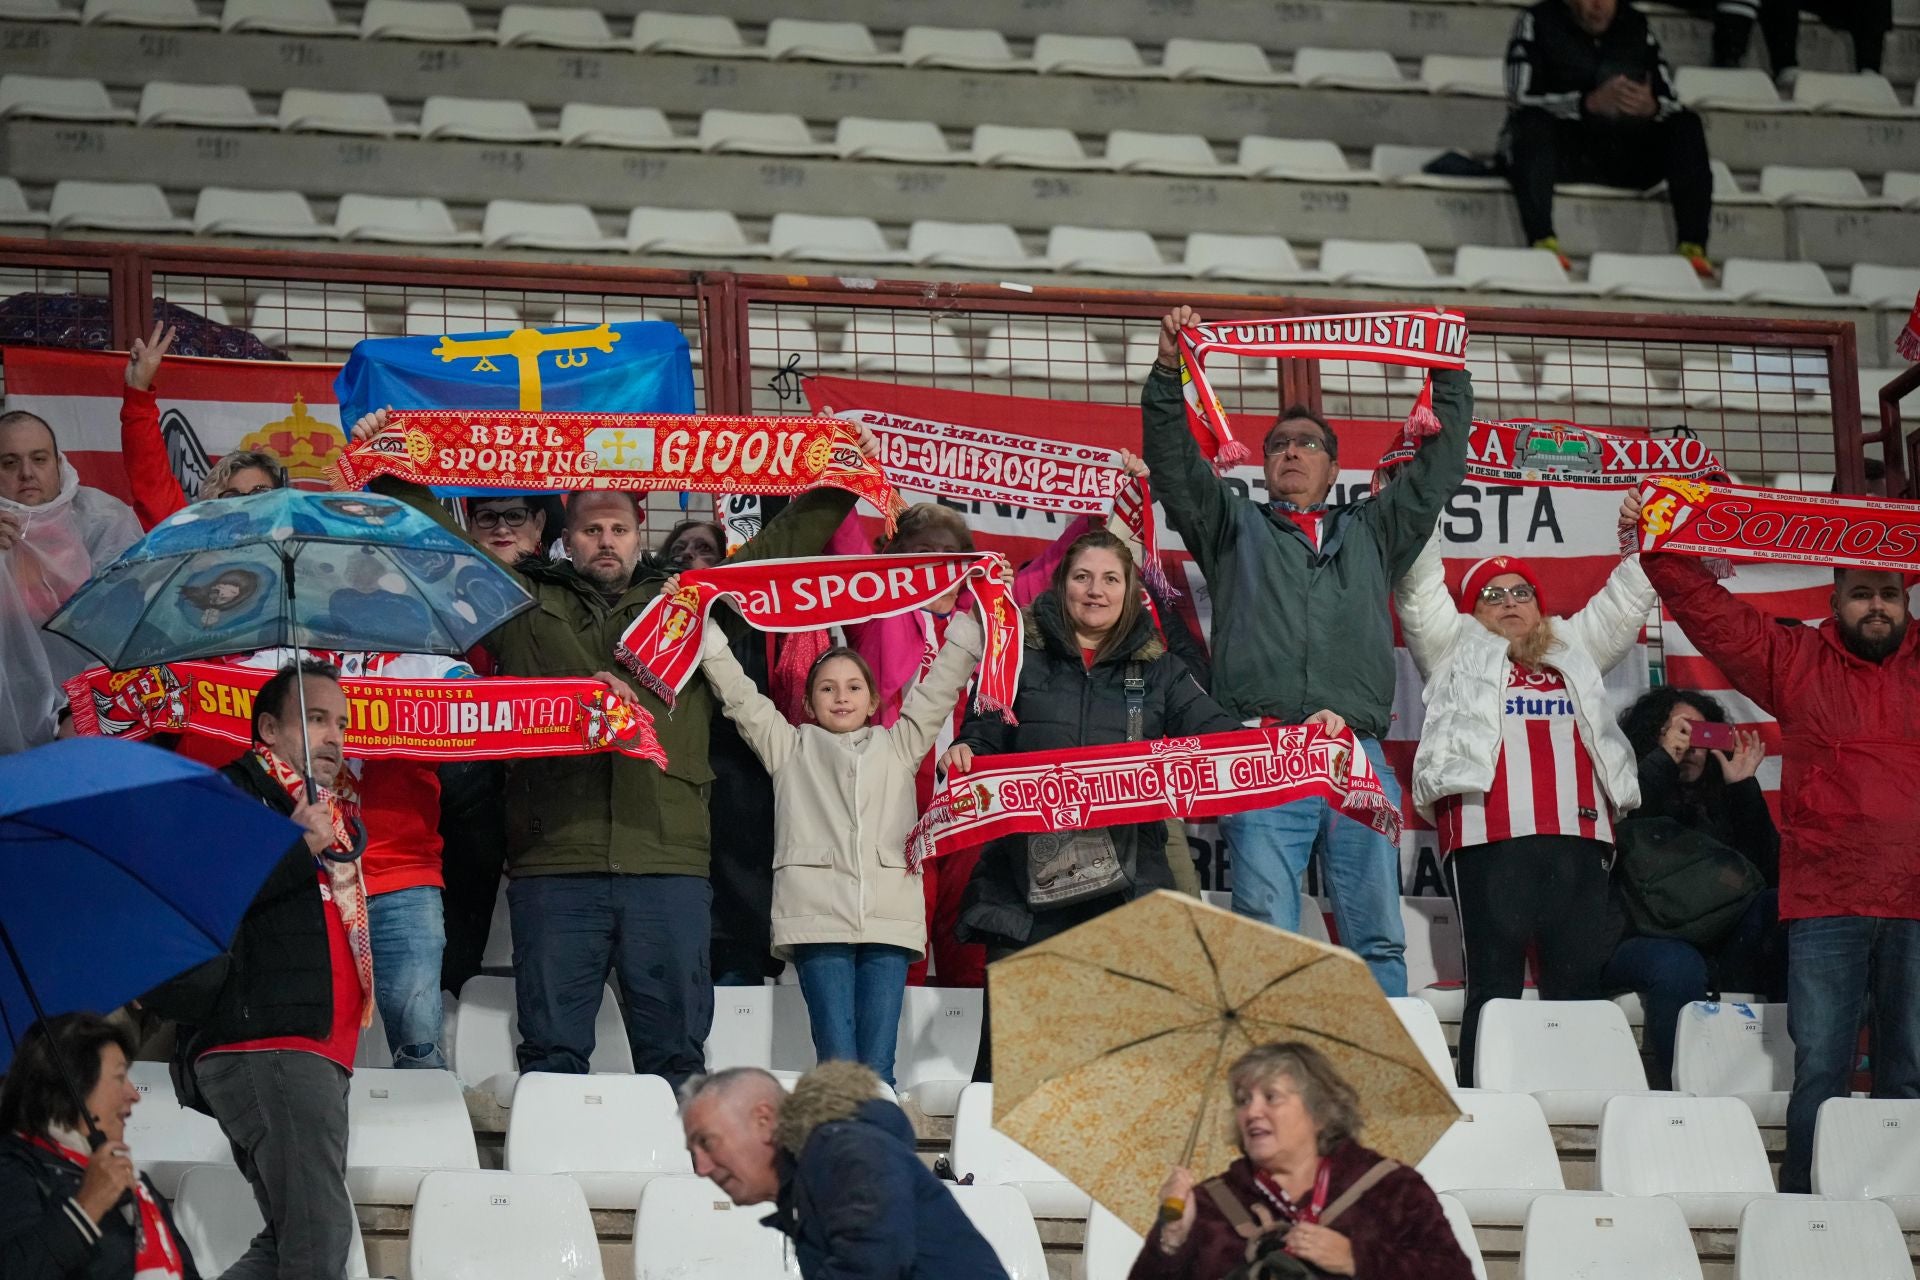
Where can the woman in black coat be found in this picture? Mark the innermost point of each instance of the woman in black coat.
(67, 1212)
(1096, 673)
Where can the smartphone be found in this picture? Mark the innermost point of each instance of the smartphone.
(1710, 736)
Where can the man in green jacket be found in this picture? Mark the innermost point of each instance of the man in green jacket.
(608, 854)
(1300, 594)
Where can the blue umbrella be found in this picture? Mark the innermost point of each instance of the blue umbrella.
(124, 866)
(289, 567)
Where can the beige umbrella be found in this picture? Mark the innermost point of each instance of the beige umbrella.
(1111, 1044)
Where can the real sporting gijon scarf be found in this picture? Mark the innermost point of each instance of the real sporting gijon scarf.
(1730, 521)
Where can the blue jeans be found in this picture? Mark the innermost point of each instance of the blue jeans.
(1273, 847)
(409, 934)
(1838, 969)
(650, 932)
(854, 992)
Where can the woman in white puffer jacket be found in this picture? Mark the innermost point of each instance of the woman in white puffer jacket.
(1521, 767)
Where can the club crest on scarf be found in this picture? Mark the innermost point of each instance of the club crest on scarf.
(152, 698)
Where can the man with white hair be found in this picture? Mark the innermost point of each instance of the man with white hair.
(55, 533)
(837, 1161)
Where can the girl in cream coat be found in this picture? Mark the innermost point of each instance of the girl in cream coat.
(846, 910)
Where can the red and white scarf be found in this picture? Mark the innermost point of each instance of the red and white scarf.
(1198, 777)
(1544, 451)
(662, 647)
(156, 1254)
(1421, 339)
(1907, 344)
(344, 881)
(1721, 521)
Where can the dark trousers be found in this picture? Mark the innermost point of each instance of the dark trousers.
(1867, 21)
(1547, 891)
(1732, 26)
(285, 1113)
(1843, 971)
(473, 823)
(650, 932)
(1670, 974)
(1541, 149)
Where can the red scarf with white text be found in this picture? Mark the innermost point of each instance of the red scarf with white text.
(156, 1253)
(1721, 521)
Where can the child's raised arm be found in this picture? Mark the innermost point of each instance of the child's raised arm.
(930, 703)
(759, 720)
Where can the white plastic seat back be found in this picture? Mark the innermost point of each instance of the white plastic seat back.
(768, 132)
(708, 34)
(122, 206)
(1739, 88)
(912, 141)
(1531, 1046)
(1791, 283)
(742, 1034)
(1303, 158)
(166, 1138)
(400, 220)
(1798, 184)
(14, 209)
(587, 124)
(997, 1160)
(219, 106)
(612, 1134)
(1239, 61)
(1389, 263)
(533, 224)
(290, 17)
(985, 244)
(939, 1040)
(402, 1124)
(1704, 1152)
(1732, 1050)
(1612, 1238)
(968, 48)
(1348, 68)
(1478, 266)
(1463, 1235)
(331, 111)
(1433, 941)
(488, 1225)
(1497, 1158)
(57, 98)
(1868, 1149)
(907, 344)
(487, 1030)
(218, 1219)
(146, 13)
(570, 28)
(688, 1229)
(1787, 1238)
(1644, 275)
(1045, 148)
(431, 20)
(808, 38)
(1102, 250)
(1111, 1246)
(1877, 286)
(1227, 256)
(830, 238)
(1134, 151)
(1423, 1024)
(480, 119)
(1088, 55)
(1034, 349)
(1867, 92)
(1475, 77)
(1006, 1223)
(225, 211)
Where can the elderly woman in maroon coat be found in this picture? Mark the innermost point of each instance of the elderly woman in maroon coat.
(1301, 1171)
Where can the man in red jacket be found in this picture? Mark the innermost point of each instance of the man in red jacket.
(1847, 696)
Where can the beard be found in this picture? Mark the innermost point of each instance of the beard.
(607, 579)
(1873, 649)
(1530, 650)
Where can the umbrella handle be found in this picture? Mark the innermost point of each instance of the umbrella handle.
(1172, 1209)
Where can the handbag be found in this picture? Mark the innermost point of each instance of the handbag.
(1266, 1235)
(1072, 866)
(1680, 882)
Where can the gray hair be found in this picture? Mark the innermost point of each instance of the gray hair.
(725, 1082)
(235, 462)
(1328, 1098)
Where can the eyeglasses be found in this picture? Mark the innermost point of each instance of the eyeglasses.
(512, 517)
(1500, 595)
(1308, 444)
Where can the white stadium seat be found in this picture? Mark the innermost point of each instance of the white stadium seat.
(486, 1033)
(939, 1040)
(982, 245)
(1865, 93)
(963, 48)
(1180, 154)
(398, 220)
(166, 1138)
(1110, 1248)
(774, 340)
(113, 206)
(1213, 255)
(57, 98)
(1469, 77)
(1088, 56)
(308, 320)
(688, 1229)
(1406, 166)
(1300, 159)
(1618, 1238)
(285, 17)
(1660, 276)
(218, 1218)
(1105, 252)
(1869, 1149)
(1600, 375)
(1388, 264)
(1889, 288)
(1423, 1025)
(810, 40)
(402, 1125)
(742, 1034)
(997, 1160)
(458, 313)
(1348, 69)
(534, 24)
(1003, 1219)
(1728, 89)
(908, 141)
(1234, 61)
(699, 34)
(14, 209)
(529, 224)
(480, 120)
(1035, 148)
(488, 1225)
(213, 106)
(280, 214)
(1477, 266)
(586, 124)
(1030, 349)
(830, 239)
(612, 1134)
(325, 111)
(1739, 1051)
(906, 342)
(1901, 189)
(778, 133)
(433, 20)
(1433, 941)
(38, 11)
(698, 232)
(1790, 1238)
(1498, 1157)
(1793, 284)
(1703, 1153)
(1571, 1055)
(146, 13)
(1788, 184)
(1463, 1235)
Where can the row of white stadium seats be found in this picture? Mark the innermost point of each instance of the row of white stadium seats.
(971, 49)
(522, 224)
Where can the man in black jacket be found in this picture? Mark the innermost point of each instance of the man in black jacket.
(271, 1052)
(1589, 99)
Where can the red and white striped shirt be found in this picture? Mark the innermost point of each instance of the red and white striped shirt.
(1543, 783)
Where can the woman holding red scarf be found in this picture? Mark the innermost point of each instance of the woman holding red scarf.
(1301, 1171)
(68, 1212)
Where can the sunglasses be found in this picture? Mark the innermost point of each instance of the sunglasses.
(1500, 595)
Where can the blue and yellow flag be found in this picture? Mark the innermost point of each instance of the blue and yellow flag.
(637, 367)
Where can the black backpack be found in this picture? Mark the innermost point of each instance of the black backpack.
(1680, 882)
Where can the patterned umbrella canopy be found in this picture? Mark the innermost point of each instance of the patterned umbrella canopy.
(1112, 1043)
